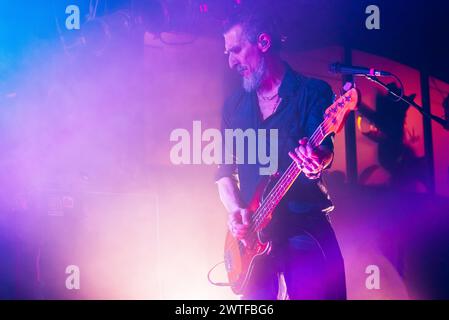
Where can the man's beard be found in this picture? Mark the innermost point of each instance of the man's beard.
(253, 81)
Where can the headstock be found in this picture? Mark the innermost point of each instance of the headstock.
(335, 115)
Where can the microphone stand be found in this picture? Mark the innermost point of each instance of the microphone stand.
(443, 122)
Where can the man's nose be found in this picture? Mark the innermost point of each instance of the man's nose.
(232, 61)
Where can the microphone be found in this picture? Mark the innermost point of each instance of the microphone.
(357, 71)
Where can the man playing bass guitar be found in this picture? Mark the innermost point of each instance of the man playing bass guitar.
(304, 247)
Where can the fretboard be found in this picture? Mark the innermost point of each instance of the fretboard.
(283, 184)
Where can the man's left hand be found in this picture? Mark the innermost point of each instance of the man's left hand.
(312, 161)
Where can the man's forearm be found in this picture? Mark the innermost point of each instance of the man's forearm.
(229, 194)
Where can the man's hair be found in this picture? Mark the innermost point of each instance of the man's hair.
(254, 23)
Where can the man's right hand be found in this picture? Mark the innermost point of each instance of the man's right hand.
(239, 223)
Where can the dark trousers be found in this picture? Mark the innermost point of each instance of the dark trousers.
(310, 260)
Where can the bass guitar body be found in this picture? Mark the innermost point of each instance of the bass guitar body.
(241, 257)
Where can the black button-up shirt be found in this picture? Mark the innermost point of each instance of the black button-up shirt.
(300, 112)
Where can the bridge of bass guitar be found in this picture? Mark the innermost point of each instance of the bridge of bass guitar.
(240, 259)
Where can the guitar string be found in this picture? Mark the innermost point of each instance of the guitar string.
(324, 126)
(259, 216)
(312, 141)
(285, 176)
(274, 193)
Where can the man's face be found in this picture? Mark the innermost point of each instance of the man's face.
(244, 57)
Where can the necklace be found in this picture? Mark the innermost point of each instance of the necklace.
(278, 102)
(269, 98)
(269, 107)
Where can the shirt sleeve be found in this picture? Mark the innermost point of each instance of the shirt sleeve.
(321, 97)
(226, 169)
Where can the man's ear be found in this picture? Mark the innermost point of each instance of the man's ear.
(264, 42)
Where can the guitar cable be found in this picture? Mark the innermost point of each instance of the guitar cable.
(220, 284)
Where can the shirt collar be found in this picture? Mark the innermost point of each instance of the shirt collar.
(290, 82)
